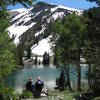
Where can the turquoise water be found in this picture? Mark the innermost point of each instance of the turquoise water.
(48, 74)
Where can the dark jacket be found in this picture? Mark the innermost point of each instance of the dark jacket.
(39, 85)
(29, 86)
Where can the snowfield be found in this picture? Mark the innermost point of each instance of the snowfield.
(30, 16)
(43, 46)
(18, 31)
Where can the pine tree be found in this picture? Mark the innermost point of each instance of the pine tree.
(92, 49)
(69, 44)
(61, 81)
(55, 60)
(36, 60)
(46, 58)
(8, 50)
(28, 52)
(8, 54)
(20, 56)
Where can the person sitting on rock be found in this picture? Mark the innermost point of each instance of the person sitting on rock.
(39, 86)
(30, 86)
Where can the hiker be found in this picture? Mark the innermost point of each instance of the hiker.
(39, 84)
(30, 86)
(38, 87)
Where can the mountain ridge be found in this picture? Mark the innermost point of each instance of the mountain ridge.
(29, 25)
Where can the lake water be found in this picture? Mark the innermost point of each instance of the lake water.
(48, 74)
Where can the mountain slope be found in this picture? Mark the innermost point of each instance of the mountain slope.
(29, 25)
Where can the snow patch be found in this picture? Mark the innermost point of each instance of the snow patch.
(57, 15)
(45, 9)
(68, 8)
(43, 46)
(18, 31)
(19, 10)
(19, 15)
(40, 32)
(27, 19)
(26, 15)
(53, 9)
(44, 17)
(79, 12)
(23, 12)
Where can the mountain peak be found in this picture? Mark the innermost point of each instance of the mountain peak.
(44, 4)
(32, 25)
(55, 5)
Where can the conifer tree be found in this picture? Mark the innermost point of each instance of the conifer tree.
(69, 44)
(7, 59)
(8, 50)
(92, 49)
(36, 60)
(61, 81)
(46, 58)
(28, 52)
(8, 53)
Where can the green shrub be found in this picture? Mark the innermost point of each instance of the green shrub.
(7, 93)
(27, 94)
(97, 98)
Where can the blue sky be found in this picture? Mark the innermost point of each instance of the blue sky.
(78, 4)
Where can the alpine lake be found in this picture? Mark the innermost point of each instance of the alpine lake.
(48, 74)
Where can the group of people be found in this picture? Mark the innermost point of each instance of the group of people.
(36, 88)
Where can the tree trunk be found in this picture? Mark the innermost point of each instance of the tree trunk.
(29, 52)
(78, 77)
(68, 77)
(89, 76)
(20, 56)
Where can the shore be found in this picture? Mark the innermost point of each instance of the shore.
(57, 95)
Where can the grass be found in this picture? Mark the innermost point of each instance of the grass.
(57, 95)
(65, 95)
